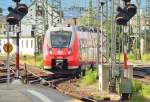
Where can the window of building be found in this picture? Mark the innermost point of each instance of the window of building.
(31, 43)
(14, 41)
(26, 43)
(22, 43)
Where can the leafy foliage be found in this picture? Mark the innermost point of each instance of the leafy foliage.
(89, 17)
(39, 61)
(89, 78)
(136, 87)
(141, 92)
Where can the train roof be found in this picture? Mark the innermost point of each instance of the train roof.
(73, 28)
(60, 28)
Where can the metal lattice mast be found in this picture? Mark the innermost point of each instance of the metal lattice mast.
(102, 14)
(89, 12)
(41, 18)
(147, 29)
(56, 7)
(148, 10)
(138, 37)
(41, 22)
(114, 5)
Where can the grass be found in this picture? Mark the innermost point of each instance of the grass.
(141, 92)
(32, 60)
(38, 61)
(89, 78)
(132, 57)
(146, 57)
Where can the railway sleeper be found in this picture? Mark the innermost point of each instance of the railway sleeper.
(32, 78)
(35, 81)
(4, 80)
(5, 76)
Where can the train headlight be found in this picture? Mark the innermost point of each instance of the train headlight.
(51, 52)
(69, 51)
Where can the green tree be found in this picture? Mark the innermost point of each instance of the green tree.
(89, 17)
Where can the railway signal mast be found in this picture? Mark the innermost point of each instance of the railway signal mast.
(147, 25)
(102, 43)
(113, 70)
(14, 18)
(122, 18)
(56, 7)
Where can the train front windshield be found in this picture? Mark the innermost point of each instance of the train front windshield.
(60, 39)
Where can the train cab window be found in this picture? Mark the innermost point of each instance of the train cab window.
(60, 39)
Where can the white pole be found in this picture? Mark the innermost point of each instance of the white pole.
(7, 64)
(101, 49)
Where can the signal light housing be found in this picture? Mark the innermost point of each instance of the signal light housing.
(16, 0)
(125, 14)
(22, 8)
(12, 19)
(126, 0)
(16, 14)
(132, 9)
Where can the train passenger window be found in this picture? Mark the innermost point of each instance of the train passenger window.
(60, 39)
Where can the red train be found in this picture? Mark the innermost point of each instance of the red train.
(65, 48)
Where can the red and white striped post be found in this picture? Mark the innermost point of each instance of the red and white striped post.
(125, 62)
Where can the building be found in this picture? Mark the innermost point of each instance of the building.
(33, 27)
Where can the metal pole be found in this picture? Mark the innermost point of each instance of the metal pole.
(97, 62)
(113, 52)
(101, 49)
(139, 31)
(17, 47)
(7, 65)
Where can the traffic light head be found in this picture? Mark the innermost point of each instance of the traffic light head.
(16, 0)
(126, 1)
(132, 9)
(122, 16)
(22, 9)
(125, 14)
(12, 19)
(16, 14)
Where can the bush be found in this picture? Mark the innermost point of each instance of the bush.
(39, 61)
(136, 87)
(89, 78)
(146, 90)
(141, 93)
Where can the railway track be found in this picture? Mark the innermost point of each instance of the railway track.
(142, 73)
(31, 75)
(3, 72)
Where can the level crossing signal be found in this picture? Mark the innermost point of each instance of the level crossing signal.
(17, 13)
(126, 13)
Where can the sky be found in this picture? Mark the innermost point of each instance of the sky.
(4, 4)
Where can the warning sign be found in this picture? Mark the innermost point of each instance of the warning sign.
(8, 47)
